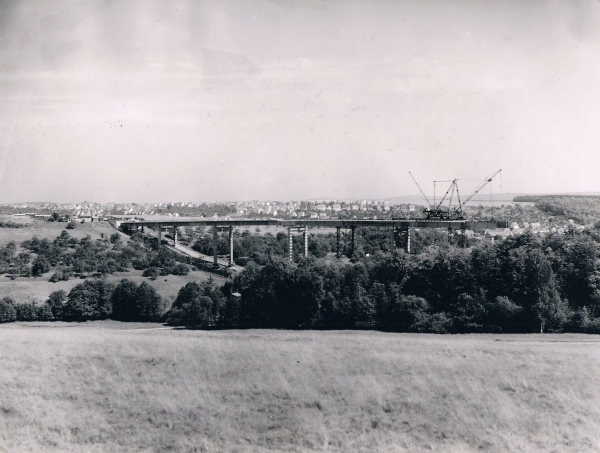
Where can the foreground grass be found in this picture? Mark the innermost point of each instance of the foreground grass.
(105, 387)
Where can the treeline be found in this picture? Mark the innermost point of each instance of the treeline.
(583, 209)
(91, 300)
(84, 257)
(523, 284)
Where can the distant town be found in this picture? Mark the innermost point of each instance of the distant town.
(525, 216)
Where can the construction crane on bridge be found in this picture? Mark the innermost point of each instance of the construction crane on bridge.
(437, 211)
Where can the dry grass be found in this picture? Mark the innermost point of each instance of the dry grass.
(101, 387)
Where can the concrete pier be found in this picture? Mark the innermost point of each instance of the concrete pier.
(290, 244)
(215, 240)
(338, 237)
(158, 234)
(305, 234)
(230, 244)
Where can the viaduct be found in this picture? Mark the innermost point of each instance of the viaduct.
(401, 228)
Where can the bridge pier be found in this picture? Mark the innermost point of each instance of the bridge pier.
(353, 241)
(158, 234)
(290, 244)
(408, 240)
(305, 242)
(230, 245)
(175, 236)
(215, 240)
(338, 237)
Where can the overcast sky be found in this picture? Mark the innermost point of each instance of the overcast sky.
(151, 101)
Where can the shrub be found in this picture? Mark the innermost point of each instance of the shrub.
(180, 269)
(61, 274)
(152, 272)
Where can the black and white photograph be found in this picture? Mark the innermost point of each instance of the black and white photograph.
(299, 226)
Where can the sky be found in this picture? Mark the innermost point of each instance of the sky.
(189, 100)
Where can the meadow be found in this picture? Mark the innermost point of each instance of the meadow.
(115, 387)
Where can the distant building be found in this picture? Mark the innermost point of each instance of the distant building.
(501, 232)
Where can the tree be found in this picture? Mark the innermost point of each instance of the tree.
(197, 305)
(26, 311)
(56, 302)
(40, 266)
(124, 301)
(8, 313)
(115, 239)
(150, 305)
(88, 301)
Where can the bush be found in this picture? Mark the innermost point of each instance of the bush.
(8, 313)
(242, 260)
(152, 272)
(180, 269)
(61, 274)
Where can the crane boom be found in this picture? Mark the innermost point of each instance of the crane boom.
(484, 183)
(439, 206)
(413, 178)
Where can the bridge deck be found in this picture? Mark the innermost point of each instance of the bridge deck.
(328, 223)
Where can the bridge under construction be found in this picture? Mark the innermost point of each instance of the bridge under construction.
(400, 228)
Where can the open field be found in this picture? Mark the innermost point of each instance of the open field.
(50, 230)
(108, 386)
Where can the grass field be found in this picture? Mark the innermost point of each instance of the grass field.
(50, 230)
(114, 387)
